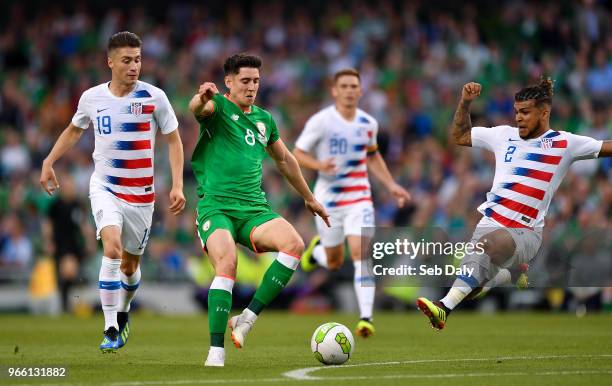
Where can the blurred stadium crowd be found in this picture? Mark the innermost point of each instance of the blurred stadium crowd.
(413, 56)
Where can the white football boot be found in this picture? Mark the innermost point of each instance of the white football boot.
(241, 325)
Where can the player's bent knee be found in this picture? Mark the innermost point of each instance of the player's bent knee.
(294, 246)
(112, 250)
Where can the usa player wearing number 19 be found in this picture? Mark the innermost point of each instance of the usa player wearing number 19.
(530, 163)
(125, 114)
(235, 136)
(343, 140)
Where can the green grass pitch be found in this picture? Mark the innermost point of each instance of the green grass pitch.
(474, 349)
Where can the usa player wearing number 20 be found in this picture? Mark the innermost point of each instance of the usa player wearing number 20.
(339, 142)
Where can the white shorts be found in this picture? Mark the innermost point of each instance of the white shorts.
(134, 222)
(345, 221)
(527, 241)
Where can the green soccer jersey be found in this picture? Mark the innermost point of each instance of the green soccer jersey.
(227, 160)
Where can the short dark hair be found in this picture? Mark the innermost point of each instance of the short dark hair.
(346, 71)
(124, 39)
(542, 93)
(234, 63)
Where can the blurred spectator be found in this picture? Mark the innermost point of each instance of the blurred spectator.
(16, 251)
(15, 156)
(68, 220)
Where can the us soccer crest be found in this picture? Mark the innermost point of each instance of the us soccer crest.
(262, 132)
(546, 143)
(136, 108)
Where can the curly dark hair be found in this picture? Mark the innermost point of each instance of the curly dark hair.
(542, 93)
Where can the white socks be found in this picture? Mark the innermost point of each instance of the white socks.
(129, 285)
(319, 255)
(456, 294)
(109, 284)
(365, 288)
(364, 283)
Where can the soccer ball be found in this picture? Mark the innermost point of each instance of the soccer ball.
(332, 344)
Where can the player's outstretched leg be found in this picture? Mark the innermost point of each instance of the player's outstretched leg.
(130, 281)
(274, 235)
(498, 246)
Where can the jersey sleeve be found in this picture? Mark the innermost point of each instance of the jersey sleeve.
(582, 147)
(217, 101)
(485, 137)
(274, 134)
(372, 141)
(81, 117)
(310, 136)
(164, 115)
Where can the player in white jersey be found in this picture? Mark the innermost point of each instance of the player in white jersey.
(125, 114)
(530, 163)
(342, 138)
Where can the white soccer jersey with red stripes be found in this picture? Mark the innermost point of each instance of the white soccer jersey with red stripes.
(528, 172)
(329, 135)
(125, 130)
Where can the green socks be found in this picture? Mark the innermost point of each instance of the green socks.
(275, 279)
(219, 306)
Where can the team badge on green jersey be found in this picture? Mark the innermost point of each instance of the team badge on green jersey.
(262, 132)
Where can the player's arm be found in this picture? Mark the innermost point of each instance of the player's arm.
(606, 149)
(290, 169)
(378, 167)
(176, 158)
(462, 123)
(201, 105)
(308, 161)
(69, 137)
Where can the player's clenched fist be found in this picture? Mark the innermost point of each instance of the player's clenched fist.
(207, 90)
(470, 91)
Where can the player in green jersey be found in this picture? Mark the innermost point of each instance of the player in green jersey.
(235, 136)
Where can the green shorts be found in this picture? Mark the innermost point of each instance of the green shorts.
(239, 217)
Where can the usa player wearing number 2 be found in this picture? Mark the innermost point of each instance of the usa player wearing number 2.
(235, 136)
(530, 163)
(342, 138)
(125, 114)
